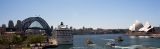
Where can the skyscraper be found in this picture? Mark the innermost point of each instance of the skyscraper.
(10, 24)
(3, 25)
(18, 26)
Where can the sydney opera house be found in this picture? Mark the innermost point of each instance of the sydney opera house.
(139, 29)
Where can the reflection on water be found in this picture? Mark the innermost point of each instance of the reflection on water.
(100, 40)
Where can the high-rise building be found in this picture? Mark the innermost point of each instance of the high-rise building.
(18, 26)
(3, 25)
(10, 24)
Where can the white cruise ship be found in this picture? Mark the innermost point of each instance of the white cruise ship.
(63, 34)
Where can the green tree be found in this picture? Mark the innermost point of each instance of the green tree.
(5, 40)
(35, 39)
(17, 39)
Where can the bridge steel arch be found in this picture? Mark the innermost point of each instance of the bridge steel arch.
(27, 22)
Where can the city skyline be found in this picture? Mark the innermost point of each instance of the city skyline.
(109, 14)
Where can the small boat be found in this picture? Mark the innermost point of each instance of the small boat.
(119, 39)
(110, 43)
(90, 43)
(113, 42)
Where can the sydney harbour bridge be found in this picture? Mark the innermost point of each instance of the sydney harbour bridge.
(26, 24)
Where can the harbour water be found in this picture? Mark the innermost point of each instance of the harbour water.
(100, 40)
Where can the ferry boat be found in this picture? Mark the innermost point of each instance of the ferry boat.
(63, 34)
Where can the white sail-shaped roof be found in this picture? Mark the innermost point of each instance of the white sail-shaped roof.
(132, 28)
(136, 26)
(146, 27)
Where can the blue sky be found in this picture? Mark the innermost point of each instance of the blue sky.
(78, 13)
